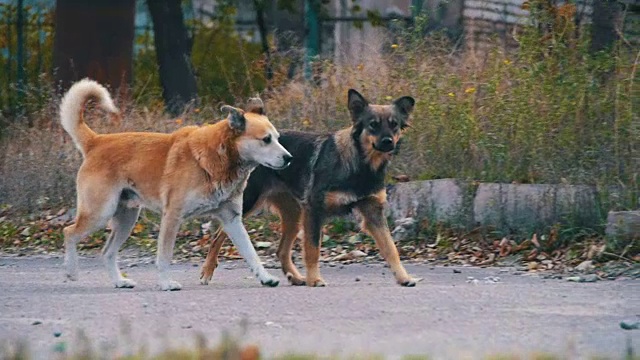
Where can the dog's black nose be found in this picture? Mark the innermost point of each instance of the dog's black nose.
(386, 141)
(287, 158)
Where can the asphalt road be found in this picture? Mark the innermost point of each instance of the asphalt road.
(445, 316)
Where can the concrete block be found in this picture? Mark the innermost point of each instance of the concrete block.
(623, 225)
(528, 207)
(440, 200)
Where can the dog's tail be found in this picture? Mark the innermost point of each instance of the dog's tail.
(72, 107)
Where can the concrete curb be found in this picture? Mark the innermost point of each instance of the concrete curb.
(509, 208)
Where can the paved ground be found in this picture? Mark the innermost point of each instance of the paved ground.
(444, 316)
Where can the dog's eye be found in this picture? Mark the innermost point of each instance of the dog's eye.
(267, 139)
(393, 124)
(374, 125)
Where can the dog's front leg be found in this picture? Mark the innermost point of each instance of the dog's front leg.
(166, 241)
(372, 210)
(312, 220)
(231, 217)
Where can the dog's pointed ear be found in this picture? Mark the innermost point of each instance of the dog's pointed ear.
(235, 117)
(255, 105)
(404, 105)
(356, 103)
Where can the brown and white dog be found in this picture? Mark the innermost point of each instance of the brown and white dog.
(190, 172)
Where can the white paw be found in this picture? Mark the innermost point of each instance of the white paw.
(205, 277)
(269, 280)
(170, 285)
(71, 269)
(125, 284)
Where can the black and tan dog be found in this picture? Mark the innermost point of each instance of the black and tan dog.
(329, 175)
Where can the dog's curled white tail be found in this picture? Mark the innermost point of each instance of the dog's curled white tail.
(72, 106)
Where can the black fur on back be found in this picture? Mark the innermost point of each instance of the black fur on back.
(318, 155)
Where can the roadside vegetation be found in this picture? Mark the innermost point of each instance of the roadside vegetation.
(550, 111)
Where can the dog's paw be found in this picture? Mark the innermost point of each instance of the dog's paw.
(409, 282)
(170, 285)
(205, 276)
(295, 281)
(125, 284)
(316, 282)
(270, 281)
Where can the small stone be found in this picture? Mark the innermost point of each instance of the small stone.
(37, 322)
(57, 333)
(587, 278)
(358, 254)
(491, 280)
(144, 305)
(630, 325)
(263, 244)
(585, 266)
(26, 232)
(532, 265)
(357, 278)
(196, 248)
(186, 326)
(457, 271)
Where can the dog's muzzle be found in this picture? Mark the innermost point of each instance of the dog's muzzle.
(385, 145)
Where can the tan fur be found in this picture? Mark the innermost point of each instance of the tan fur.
(346, 149)
(336, 199)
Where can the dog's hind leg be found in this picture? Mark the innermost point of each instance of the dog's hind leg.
(375, 224)
(211, 262)
(230, 215)
(122, 223)
(290, 213)
(95, 208)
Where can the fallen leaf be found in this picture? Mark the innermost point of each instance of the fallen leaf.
(534, 241)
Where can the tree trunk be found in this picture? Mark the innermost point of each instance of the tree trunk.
(259, 6)
(94, 39)
(173, 52)
(604, 20)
